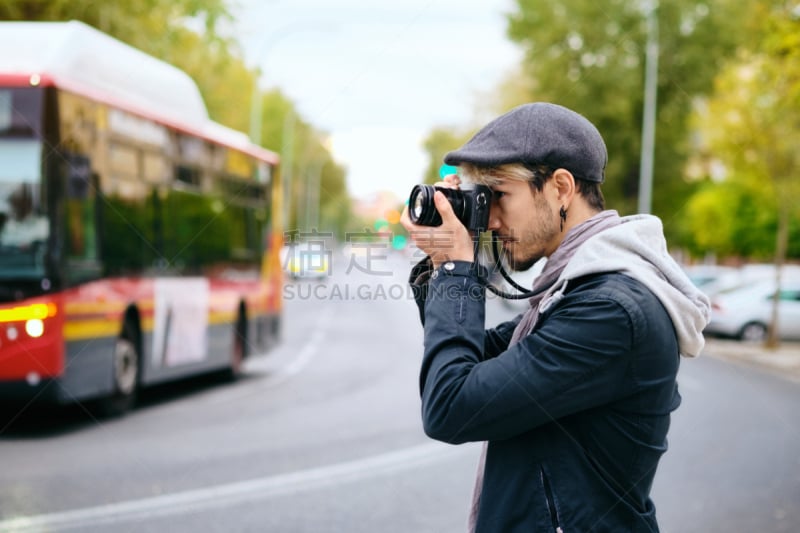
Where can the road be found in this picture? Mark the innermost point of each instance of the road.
(323, 435)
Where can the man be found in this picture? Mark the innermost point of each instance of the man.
(574, 396)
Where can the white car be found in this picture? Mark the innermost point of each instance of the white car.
(745, 312)
(713, 278)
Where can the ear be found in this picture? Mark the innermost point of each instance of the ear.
(564, 185)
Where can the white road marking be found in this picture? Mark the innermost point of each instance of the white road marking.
(230, 494)
(309, 349)
(307, 353)
(305, 356)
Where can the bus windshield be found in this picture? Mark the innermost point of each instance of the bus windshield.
(24, 227)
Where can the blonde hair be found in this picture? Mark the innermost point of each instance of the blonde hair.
(536, 176)
(491, 176)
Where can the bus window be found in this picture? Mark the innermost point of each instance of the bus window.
(23, 220)
(187, 176)
(6, 107)
(131, 237)
(20, 112)
(24, 227)
(80, 210)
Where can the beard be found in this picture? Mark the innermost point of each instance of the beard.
(526, 250)
(521, 264)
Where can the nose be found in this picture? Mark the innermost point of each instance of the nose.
(494, 219)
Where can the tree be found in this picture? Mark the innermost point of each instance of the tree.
(307, 159)
(150, 25)
(752, 123)
(589, 56)
(734, 218)
(437, 144)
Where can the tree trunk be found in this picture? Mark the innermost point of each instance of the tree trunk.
(781, 245)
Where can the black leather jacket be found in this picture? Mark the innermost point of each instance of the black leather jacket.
(576, 414)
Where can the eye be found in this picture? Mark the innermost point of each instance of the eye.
(497, 194)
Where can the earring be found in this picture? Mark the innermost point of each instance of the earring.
(563, 214)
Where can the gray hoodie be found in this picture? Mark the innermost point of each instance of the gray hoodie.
(637, 248)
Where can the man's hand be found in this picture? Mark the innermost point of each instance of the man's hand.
(449, 242)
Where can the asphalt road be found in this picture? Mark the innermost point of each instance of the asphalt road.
(323, 435)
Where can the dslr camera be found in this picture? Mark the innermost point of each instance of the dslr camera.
(470, 205)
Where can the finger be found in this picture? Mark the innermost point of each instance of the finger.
(444, 208)
(452, 179)
(405, 219)
(421, 235)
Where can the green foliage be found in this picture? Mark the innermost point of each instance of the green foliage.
(305, 150)
(437, 144)
(732, 218)
(151, 25)
(751, 127)
(589, 56)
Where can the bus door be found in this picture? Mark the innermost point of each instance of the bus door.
(81, 220)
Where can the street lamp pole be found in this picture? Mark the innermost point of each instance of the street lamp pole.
(256, 104)
(313, 181)
(649, 115)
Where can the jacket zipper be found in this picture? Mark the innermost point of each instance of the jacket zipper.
(551, 505)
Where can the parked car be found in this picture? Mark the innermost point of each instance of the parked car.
(713, 278)
(745, 311)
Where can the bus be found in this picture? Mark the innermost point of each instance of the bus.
(139, 240)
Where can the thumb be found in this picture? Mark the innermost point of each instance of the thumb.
(445, 208)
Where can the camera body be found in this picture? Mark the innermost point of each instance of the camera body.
(471, 206)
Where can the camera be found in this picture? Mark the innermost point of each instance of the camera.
(471, 206)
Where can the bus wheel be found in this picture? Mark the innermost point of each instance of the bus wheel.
(239, 350)
(126, 379)
(276, 329)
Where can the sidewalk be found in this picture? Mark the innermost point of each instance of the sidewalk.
(784, 360)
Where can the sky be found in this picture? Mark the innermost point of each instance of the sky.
(378, 76)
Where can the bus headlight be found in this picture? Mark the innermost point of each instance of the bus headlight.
(34, 328)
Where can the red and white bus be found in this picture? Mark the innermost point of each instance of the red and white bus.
(139, 240)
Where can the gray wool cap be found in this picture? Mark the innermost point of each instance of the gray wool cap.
(539, 133)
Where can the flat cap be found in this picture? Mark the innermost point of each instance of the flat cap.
(538, 133)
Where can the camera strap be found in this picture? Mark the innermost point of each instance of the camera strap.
(498, 266)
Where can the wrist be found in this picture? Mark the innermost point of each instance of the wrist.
(455, 268)
(438, 261)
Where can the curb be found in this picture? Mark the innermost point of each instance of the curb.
(783, 360)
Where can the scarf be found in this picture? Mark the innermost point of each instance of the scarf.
(556, 264)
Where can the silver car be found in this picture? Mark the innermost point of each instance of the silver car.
(745, 311)
(713, 278)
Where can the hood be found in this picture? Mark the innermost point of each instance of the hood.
(637, 248)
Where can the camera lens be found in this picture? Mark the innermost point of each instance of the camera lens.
(418, 208)
(422, 210)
